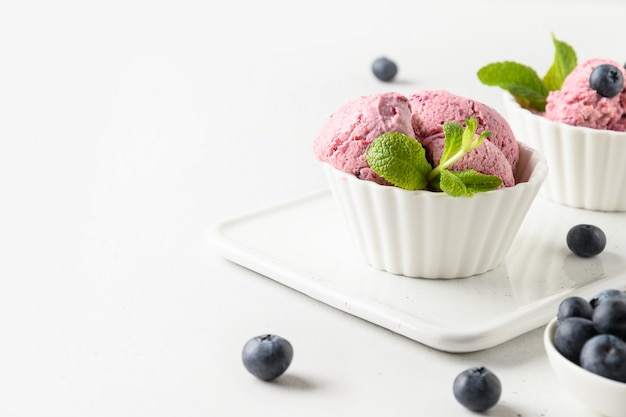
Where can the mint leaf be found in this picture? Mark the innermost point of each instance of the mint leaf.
(453, 132)
(399, 159)
(564, 62)
(458, 142)
(521, 81)
(524, 83)
(467, 183)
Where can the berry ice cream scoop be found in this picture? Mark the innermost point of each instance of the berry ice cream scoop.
(592, 95)
(349, 132)
(486, 159)
(499, 153)
(432, 108)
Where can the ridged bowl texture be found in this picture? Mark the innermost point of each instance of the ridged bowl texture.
(430, 234)
(587, 167)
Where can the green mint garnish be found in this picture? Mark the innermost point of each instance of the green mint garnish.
(523, 82)
(458, 142)
(467, 182)
(401, 160)
(564, 62)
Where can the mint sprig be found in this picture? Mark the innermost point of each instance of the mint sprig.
(467, 183)
(564, 63)
(523, 82)
(401, 160)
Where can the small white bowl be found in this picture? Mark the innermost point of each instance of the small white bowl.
(587, 168)
(601, 394)
(432, 235)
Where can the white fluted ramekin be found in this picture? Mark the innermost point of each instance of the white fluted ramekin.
(603, 395)
(430, 234)
(587, 168)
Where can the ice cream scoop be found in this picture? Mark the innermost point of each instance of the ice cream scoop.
(578, 104)
(346, 135)
(432, 108)
(486, 159)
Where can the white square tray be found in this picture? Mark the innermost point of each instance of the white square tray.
(303, 244)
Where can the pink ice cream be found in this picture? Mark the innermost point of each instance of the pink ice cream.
(345, 137)
(578, 105)
(431, 109)
(347, 134)
(499, 153)
(486, 159)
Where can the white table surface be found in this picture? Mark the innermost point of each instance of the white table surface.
(127, 128)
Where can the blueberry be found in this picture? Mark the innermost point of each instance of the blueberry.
(384, 69)
(610, 317)
(605, 355)
(574, 307)
(267, 356)
(570, 336)
(606, 295)
(586, 240)
(607, 80)
(477, 388)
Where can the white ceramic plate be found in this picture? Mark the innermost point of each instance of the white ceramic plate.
(303, 244)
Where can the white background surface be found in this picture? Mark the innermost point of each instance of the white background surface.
(127, 128)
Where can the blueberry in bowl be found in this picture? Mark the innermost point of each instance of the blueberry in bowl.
(588, 356)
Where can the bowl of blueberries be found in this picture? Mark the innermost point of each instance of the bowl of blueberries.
(585, 345)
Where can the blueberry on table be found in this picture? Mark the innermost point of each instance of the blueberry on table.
(477, 388)
(605, 355)
(571, 335)
(586, 240)
(607, 80)
(267, 356)
(574, 307)
(384, 69)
